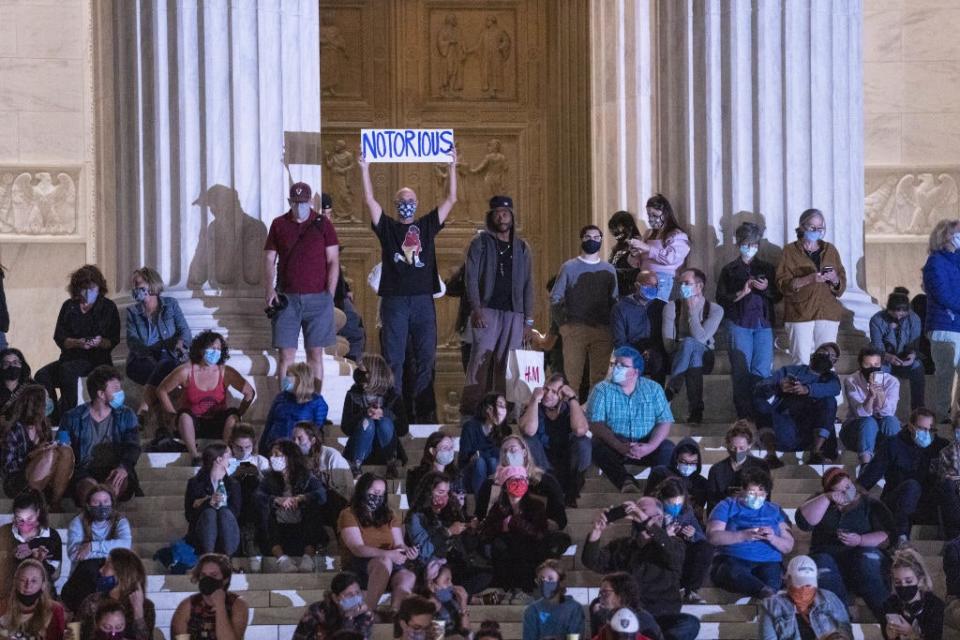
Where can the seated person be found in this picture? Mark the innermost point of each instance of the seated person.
(29, 536)
(247, 468)
(30, 610)
(724, 480)
(555, 429)
(913, 611)
(328, 464)
(92, 535)
(849, 537)
(630, 419)
(439, 455)
(296, 402)
(514, 453)
(158, 335)
(435, 583)
(373, 417)
(689, 326)
(289, 499)
(949, 474)
(517, 531)
(907, 463)
(205, 379)
(214, 612)
(750, 535)
(30, 456)
(480, 440)
(342, 609)
(804, 610)
(104, 436)
(872, 398)
(680, 521)
(88, 328)
(414, 620)
(896, 332)
(951, 570)
(685, 465)
(122, 578)
(637, 321)
(554, 614)
(797, 406)
(14, 376)
(372, 545)
(619, 590)
(652, 556)
(109, 620)
(212, 504)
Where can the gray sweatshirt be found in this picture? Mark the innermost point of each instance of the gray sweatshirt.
(584, 293)
(691, 325)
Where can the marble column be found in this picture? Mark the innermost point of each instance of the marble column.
(759, 117)
(205, 92)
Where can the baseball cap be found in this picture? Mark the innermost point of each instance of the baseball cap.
(326, 202)
(802, 572)
(624, 621)
(300, 192)
(501, 201)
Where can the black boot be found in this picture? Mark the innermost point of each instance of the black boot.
(695, 395)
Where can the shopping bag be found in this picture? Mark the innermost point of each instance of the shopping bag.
(524, 374)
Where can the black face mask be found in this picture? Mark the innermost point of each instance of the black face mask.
(590, 246)
(820, 363)
(906, 593)
(207, 585)
(866, 371)
(360, 377)
(29, 601)
(11, 373)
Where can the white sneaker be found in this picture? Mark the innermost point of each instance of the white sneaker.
(286, 565)
(306, 564)
(255, 563)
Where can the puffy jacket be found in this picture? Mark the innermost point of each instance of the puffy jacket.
(941, 274)
(778, 617)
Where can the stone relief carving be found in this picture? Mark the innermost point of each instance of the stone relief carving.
(493, 168)
(34, 203)
(452, 50)
(333, 55)
(493, 49)
(471, 56)
(340, 164)
(911, 203)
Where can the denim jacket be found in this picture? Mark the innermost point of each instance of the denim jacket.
(75, 430)
(171, 325)
(899, 338)
(778, 617)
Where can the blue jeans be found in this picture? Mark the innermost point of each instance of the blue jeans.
(860, 434)
(567, 461)
(361, 444)
(741, 576)
(664, 286)
(908, 499)
(916, 374)
(217, 531)
(865, 569)
(412, 318)
(678, 626)
(478, 470)
(150, 367)
(751, 359)
(795, 421)
(686, 365)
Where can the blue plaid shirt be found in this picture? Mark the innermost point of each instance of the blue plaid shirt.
(630, 416)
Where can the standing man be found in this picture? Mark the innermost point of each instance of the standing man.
(305, 276)
(408, 280)
(500, 293)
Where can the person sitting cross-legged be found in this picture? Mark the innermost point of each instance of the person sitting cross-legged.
(872, 398)
(630, 420)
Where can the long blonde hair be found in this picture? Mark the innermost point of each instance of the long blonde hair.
(303, 386)
(533, 471)
(33, 623)
(379, 375)
(940, 236)
(910, 559)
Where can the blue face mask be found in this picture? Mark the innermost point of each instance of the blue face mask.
(686, 291)
(923, 438)
(350, 602)
(406, 209)
(619, 374)
(211, 356)
(672, 510)
(548, 588)
(955, 239)
(753, 502)
(687, 470)
(232, 466)
(106, 583)
(140, 294)
(445, 594)
(286, 384)
(117, 400)
(748, 251)
(90, 295)
(49, 407)
(812, 236)
(649, 291)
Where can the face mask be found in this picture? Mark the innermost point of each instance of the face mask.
(820, 363)
(90, 295)
(360, 377)
(374, 501)
(444, 457)
(406, 209)
(515, 459)
(100, 513)
(748, 251)
(548, 588)
(211, 356)
(350, 602)
(285, 385)
(619, 374)
(956, 436)
(655, 223)
(754, 502)
(303, 211)
(517, 488)
(208, 584)
(850, 494)
(672, 510)
(29, 601)
(232, 466)
(686, 470)
(117, 400)
(12, 373)
(739, 456)
(955, 239)
(906, 593)
(106, 583)
(445, 594)
(439, 502)
(305, 448)
(923, 438)
(140, 294)
(278, 463)
(417, 635)
(649, 291)
(620, 235)
(686, 291)
(28, 528)
(866, 371)
(49, 407)
(812, 236)
(590, 247)
(108, 635)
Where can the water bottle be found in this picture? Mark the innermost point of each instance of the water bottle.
(222, 492)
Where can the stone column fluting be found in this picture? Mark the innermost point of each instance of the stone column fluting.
(760, 116)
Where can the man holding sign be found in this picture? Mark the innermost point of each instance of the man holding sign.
(408, 281)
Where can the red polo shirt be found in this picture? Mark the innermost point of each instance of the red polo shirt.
(301, 265)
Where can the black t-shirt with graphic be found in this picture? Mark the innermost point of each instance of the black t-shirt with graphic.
(408, 255)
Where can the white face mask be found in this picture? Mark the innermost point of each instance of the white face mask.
(278, 463)
(515, 458)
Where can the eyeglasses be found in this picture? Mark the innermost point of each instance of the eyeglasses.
(809, 228)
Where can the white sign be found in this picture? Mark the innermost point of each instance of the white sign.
(406, 145)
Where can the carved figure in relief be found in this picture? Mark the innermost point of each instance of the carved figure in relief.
(493, 168)
(41, 208)
(493, 49)
(914, 203)
(340, 163)
(333, 55)
(454, 53)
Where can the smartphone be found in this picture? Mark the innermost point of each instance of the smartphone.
(826, 269)
(615, 513)
(761, 278)
(876, 377)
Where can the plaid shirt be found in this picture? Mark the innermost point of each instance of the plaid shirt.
(633, 416)
(950, 460)
(16, 448)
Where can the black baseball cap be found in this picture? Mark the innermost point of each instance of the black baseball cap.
(501, 201)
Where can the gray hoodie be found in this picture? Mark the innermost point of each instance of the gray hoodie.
(481, 273)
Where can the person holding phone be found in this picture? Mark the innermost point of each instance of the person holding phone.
(896, 332)
(373, 417)
(913, 612)
(812, 279)
(872, 398)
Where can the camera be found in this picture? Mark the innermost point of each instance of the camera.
(278, 306)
